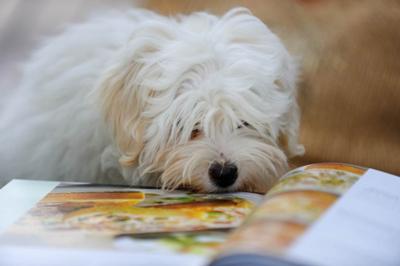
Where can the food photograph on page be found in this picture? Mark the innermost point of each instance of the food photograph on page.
(291, 207)
(223, 133)
(213, 229)
(84, 216)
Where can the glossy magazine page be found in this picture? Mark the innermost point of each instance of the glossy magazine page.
(321, 214)
(178, 226)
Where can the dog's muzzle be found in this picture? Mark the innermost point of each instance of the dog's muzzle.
(223, 175)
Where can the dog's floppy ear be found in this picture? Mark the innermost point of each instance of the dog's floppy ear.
(289, 130)
(124, 94)
(122, 107)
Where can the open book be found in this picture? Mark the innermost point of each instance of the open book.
(321, 214)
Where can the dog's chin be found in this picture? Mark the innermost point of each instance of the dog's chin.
(202, 185)
(258, 166)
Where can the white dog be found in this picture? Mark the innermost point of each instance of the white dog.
(195, 101)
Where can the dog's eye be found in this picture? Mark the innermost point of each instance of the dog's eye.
(195, 133)
(244, 124)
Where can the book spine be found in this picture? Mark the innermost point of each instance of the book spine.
(249, 259)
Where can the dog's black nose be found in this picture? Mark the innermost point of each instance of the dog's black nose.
(223, 175)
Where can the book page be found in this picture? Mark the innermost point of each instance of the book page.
(363, 227)
(289, 209)
(18, 196)
(150, 223)
(322, 214)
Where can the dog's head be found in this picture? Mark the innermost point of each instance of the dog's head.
(202, 101)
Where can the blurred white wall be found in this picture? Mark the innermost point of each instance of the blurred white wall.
(24, 23)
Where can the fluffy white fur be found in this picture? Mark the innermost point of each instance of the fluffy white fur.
(116, 99)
